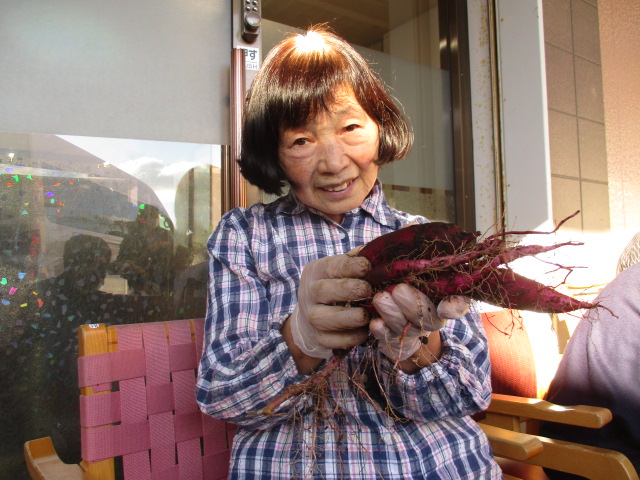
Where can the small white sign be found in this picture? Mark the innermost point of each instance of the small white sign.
(251, 58)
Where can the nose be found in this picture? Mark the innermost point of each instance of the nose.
(333, 158)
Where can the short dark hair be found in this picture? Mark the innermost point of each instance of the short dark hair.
(299, 78)
(83, 250)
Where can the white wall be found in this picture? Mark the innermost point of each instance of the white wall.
(620, 44)
(523, 104)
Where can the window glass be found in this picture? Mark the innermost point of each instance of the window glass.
(93, 230)
(402, 39)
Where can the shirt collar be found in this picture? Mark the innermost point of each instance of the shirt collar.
(376, 205)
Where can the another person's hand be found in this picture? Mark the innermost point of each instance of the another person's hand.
(322, 321)
(407, 315)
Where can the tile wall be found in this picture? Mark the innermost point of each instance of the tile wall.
(576, 114)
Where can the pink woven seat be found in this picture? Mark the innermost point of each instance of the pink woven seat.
(138, 402)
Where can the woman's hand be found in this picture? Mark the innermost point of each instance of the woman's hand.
(407, 316)
(322, 321)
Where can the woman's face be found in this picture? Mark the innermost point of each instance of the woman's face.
(329, 161)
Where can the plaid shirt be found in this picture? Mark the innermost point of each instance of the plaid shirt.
(419, 428)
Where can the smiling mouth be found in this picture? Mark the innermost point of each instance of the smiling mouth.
(338, 188)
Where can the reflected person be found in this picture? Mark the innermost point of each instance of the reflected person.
(44, 392)
(145, 258)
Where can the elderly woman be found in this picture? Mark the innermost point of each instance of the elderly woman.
(284, 286)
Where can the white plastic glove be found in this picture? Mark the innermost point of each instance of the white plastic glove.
(407, 305)
(321, 321)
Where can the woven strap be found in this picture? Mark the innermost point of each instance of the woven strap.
(97, 410)
(110, 367)
(159, 419)
(101, 443)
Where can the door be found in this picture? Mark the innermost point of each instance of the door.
(119, 129)
(418, 47)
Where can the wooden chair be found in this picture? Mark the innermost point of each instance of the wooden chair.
(515, 414)
(153, 413)
(137, 402)
(517, 406)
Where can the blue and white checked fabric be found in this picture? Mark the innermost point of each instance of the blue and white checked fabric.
(256, 258)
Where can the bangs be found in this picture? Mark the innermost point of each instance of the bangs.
(307, 85)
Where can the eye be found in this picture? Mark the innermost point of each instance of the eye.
(300, 142)
(351, 127)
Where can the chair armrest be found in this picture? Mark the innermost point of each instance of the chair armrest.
(43, 462)
(584, 460)
(578, 415)
(513, 445)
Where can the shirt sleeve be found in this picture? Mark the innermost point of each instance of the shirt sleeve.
(458, 384)
(246, 362)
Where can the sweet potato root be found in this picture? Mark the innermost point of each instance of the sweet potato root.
(501, 287)
(445, 263)
(428, 239)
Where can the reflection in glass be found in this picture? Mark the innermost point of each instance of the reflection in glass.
(145, 257)
(93, 230)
